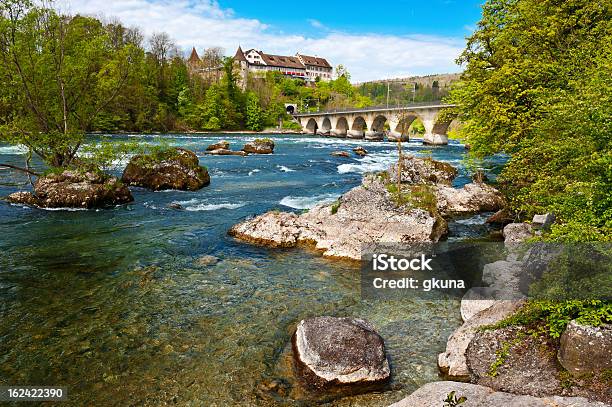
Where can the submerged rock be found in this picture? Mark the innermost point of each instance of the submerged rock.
(207, 260)
(173, 169)
(360, 151)
(223, 151)
(586, 349)
(340, 154)
(365, 214)
(259, 146)
(339, 352)
(434, 394)
(220, 145)
(74, 189)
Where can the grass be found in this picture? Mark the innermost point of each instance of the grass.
(263, 141)
(156, 155)
(335, 206)
(417, 196)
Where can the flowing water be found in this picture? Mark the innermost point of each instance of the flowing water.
(123, 307)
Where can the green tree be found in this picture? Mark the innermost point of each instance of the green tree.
(61, 72)
(538, 87)
(254, 114)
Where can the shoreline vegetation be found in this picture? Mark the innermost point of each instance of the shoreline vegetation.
(537, 88)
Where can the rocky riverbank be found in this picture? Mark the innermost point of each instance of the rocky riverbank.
(526, 366)
(375, 212)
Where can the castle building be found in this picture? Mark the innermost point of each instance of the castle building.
(299, 66)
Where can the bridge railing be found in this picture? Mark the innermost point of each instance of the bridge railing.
(374, 108)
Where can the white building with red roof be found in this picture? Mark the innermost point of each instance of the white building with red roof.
(299, 66)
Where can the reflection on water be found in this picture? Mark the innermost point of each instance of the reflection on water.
(115, 305)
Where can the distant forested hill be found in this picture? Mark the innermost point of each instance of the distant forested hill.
(405, 90)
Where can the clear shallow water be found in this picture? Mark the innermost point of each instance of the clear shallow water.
(115, 305)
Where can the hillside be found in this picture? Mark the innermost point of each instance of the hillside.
(404, 90)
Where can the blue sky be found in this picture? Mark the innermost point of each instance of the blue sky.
(374, 39)
(427, 17)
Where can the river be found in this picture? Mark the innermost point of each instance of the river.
(118, 306)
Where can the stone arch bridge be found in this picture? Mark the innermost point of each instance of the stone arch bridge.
(374, 123)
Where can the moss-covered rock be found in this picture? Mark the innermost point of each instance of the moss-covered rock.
(74, 189)
(259, 146)
(174, 168)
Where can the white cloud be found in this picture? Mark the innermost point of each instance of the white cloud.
(203, 23)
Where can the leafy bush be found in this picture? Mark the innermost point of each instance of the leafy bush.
(552, 317)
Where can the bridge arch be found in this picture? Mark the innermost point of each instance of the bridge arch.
(341, 126)
(326, 125)
(359, 124)
(378, 124)
(311, 126)
(404, 122)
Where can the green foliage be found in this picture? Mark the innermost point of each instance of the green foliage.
(551, 317)
(105, 154)
(253, 112)
(291, 125)
(538, 86)
(151, 155)
(501, 354)
(416, 196)
(335, 206)
(58, 74)
(452, 400)
(422, 196)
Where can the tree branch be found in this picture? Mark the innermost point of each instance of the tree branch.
(20, 169)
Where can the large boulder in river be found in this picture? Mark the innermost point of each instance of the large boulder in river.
(174, 168)
(75, 189)
(423, 171)
(471, 198)
(434, 395)
(220, 145)
(364, 215)
(586, 349)
(259, 146)
(332, 351)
